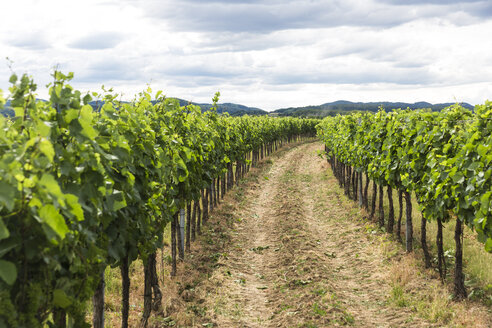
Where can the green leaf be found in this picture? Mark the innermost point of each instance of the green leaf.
(446, 148)
(75, 208)
(13, 78)
(60, 299)
(35, 202)
(118, 200)
(46, 148)
(7, 245)
(8, 272)
(43, 128)
(50, 215)
(4, 232)
(180, 163)
(114, 199)
(482, 150)
(485, 200)
(51, 185)
(488, 245)
(458, 177)
(7, 195)
(70, 115)
(86, 121)
(118, 205)
(87, 98)
(19, 111)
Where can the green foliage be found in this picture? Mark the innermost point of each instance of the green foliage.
(444, 157)
(342, 107)
(82, 189)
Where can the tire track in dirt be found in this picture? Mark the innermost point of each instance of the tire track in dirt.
(358, 265)
(248, 265)
(243, 285)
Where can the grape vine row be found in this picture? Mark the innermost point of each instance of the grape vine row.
(444, 158)
(84, 189)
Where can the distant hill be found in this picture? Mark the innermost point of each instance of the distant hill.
(232, 109)
(328, 109)
(343, 107)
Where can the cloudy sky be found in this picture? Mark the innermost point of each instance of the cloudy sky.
(267, 54)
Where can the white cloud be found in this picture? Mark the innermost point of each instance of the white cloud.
(267, 54)
(96, 41)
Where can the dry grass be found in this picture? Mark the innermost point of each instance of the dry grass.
(413, 288)
(401, 273)
(477, 262)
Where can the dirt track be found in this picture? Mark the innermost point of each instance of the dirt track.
(288, 250)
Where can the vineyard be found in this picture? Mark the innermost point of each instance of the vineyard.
(83, 190)
(444, 158)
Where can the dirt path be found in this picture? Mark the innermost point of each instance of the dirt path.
(287, 250)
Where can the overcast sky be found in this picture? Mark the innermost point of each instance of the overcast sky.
(266, 54)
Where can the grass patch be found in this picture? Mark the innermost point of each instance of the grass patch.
(398, 296)
(436, 308)
(318, 310)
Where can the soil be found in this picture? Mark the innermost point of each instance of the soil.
(286, 248)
